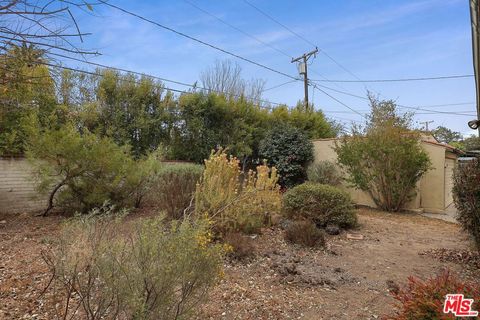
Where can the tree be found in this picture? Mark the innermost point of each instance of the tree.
(226, 77)
(384, 158)
(208, 121)
(312, 122)
(27, 93)
(80, 172)
(50, 25)
(445, 135)
(132, 111)
(129, 109)
(471, 143)
(290, 151)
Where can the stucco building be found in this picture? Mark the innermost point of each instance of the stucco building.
(434, 194)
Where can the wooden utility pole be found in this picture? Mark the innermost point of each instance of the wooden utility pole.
(302, 68)
(426, 124)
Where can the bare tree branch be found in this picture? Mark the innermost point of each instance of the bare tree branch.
(49, 24)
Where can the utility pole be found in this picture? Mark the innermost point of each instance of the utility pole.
(302, 69)
(426, 124)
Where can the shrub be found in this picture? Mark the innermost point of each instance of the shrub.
(425, 299)
(305, 233)
(174, 187)
(385, 157)
(324, 172)
(236, 201)
(81, 171)
(321, 204)
(241, 246)
(150, 271)
(290, 151)
(466, 194)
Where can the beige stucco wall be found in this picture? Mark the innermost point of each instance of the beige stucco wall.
(323, 150)
(431, 188)
(17, 189)
(432, 184)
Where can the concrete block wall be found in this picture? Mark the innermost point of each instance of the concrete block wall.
(17, 188)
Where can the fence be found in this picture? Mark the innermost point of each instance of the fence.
(17, 188)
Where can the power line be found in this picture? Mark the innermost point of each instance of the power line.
(345, 119)
(121, 69)
(279, 85)
(240, 57)
(448, 105)
(339, 101)
(473, 113)
(254, 62)
(365, 110)
(340, 65)
(399, 105)
(342, 92)
(208, 44)
(238, 29)
(278, 22)
(252, 37)
(400, 80)
(197, 40)
(300, 37)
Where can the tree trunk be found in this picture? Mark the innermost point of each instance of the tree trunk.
(52, 196)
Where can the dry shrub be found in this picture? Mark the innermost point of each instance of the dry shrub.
(305, 233)
(241, 246)
(466, 193)
(324, 172)
(174, 187)
(232, 204)
(152, 270)
(424, 299)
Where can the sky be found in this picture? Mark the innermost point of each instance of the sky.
(372, 39)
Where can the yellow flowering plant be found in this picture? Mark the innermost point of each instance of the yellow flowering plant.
(233, 200)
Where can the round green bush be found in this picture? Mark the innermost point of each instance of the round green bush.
(322, 204)
(290, 151)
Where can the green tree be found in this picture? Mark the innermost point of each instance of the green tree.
(27, 93)
(80, 172)
(132, 111)
(471, 143)
(312, 122)
(205, 122)
(446, 135)
(385, 157)
(290, 151)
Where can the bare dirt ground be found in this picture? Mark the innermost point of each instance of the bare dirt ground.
(348, 280)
